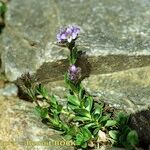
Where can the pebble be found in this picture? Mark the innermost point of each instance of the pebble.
(9, 90)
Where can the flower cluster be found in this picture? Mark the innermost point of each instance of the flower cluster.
(68, 34)
(74, 73)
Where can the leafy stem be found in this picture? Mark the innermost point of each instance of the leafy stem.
(89, 123)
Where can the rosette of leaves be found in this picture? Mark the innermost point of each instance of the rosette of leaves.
(122, 135)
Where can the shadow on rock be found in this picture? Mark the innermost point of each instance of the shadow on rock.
(140, 121)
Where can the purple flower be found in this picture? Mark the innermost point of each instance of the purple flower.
(74, 73)
(68, 34)
(73, 69)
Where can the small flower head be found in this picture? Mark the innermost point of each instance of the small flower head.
(68, 34)
(73, 69)
(74, 73)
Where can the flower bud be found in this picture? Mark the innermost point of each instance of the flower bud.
(74, 73)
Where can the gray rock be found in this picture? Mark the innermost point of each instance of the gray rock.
(109, 28)
(115, 36)
(126, 90)
(9, 90)
(21, 129)
(140, 122)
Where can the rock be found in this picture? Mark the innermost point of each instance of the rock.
(110, 29)
(115, 37)
(128, 90)
(2, 83)
(141, 123)
(22, 129)
(9, 90)
(32, 35)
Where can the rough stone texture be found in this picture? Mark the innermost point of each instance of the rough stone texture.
(109, 28)
(21, 128)
(128, 90)
(116, 39)
(9, 90)
(19, 124)
(28, 36)
(141, 123)
(1, 46)
(115, 36)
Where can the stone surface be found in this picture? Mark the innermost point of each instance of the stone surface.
(141, 123)
(2, 83)
(21, 128)
(128, 90)
(9, 90)
(108, 28)
(115, 37)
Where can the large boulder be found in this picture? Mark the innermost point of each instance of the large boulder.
(115, 36)
(109, 28)
(21, 129)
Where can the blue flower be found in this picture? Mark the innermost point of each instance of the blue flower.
(68, 34)
(74, 73)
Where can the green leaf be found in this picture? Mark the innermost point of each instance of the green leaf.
(69, 84)
(42, 91)
(125, 129)
(121, 118)
(113, 134)
(98, 109)
(64, 126)
(91, 125)
(104, 119)
(54, 122)
(81, 92)
(79, 138)
(132, 137)
(74, 55)
(73, 100)
(73, 130)
(53, 100)
(82, 112)
(89, 103)
(97, 116)
(96, 130)
(81, 118)
(2, 8)
(68, 137)
(72, 107)
(86, 133)
(73, 87)
(110, 123)
(84, 145)
(66, 79)
(42, 112)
